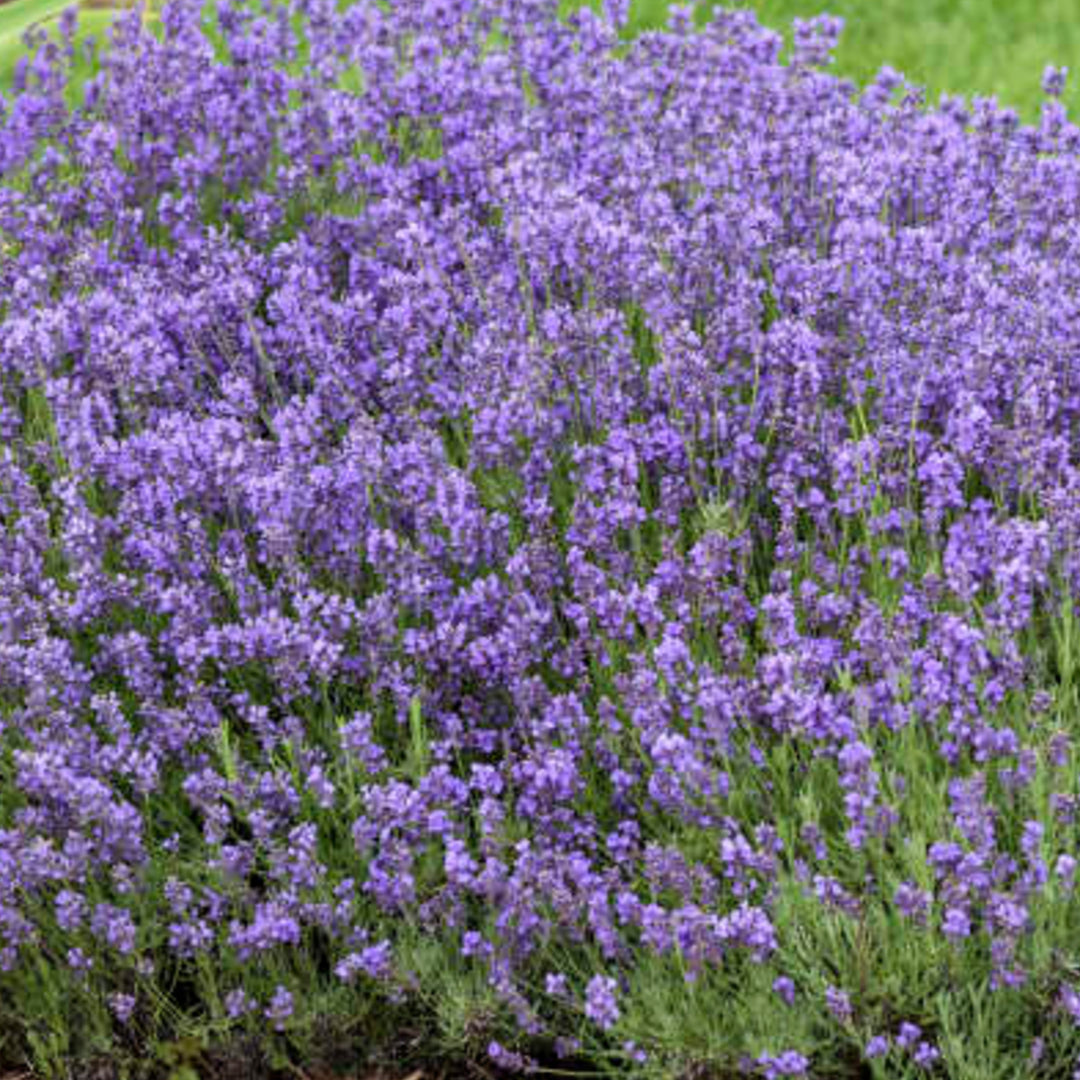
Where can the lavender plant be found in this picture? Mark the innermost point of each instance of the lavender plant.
(565, 544)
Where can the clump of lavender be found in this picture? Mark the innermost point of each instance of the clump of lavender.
(572, 537)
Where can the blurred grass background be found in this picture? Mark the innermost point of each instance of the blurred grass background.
(17, 16)
(997, 47)
(983, 47)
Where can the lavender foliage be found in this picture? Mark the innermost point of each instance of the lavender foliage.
(603, 511)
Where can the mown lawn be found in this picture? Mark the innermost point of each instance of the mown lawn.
(964, 47)
(949, 46)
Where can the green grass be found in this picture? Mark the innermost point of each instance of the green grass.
(995, 47)
(17, 17)
(964, 47)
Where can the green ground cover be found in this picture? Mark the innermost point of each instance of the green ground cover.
(949, 46)
(21, 15)
(953, 46)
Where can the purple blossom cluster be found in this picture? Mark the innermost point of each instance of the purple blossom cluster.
(464, 474)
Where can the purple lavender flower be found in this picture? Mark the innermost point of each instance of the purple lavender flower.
(510, 1060)
(788, 1063)
(785, 988)
(913, 902)
(600, 1004)
(878, 1046)
(908, 1034)
(78, 961)
(373, 961)
(122, 1006)
(237, 1003)
(1070, 1001)
(1053, 81)
(280, 1008)
(925, 1055)
(71, 909)
(838, 1003)
(956, 923)
(1065, 868)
